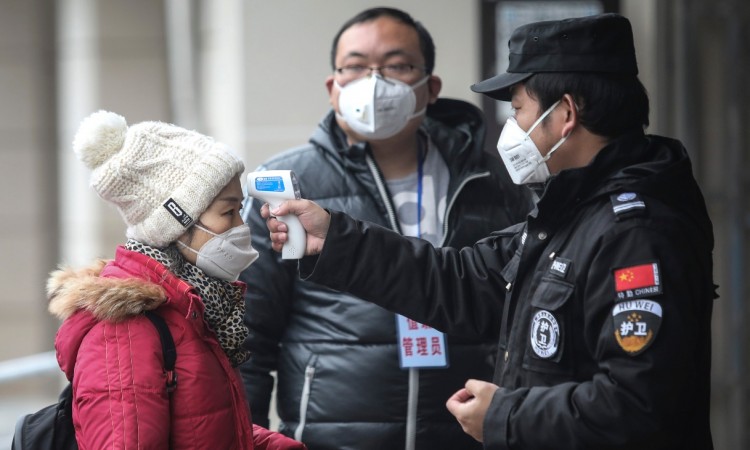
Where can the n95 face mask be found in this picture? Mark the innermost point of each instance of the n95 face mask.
(378, 108)
(520, 155)
(225, 255)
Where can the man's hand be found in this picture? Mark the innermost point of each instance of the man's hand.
(470, 404)
(314, 219)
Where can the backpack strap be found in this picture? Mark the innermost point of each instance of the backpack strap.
(168, 349)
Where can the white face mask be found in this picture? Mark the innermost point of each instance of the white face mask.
(225, 255)
(378, 108)
(523, 160)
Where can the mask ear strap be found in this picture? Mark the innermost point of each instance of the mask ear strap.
(545, 114)
(187, 247)
(561, 141)
(422, 111)
(554, 147)
(205, 229)
(420, 82)
(200, 228)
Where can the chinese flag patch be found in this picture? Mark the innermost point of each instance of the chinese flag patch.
(638, 281)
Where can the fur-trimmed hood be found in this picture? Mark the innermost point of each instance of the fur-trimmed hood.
(114, 299)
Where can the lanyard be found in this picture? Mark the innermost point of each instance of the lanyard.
(420, 172)
(420, 345)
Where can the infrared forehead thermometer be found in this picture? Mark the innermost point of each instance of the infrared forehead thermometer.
(274, 187)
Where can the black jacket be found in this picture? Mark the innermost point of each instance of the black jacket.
(601, 302)
(339, 379)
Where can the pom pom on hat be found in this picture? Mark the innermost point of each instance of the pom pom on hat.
(160, 177)
(99, 136)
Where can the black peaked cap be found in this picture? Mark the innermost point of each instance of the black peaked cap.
(602, 43)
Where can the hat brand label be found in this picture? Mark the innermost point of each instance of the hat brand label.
(178, 213)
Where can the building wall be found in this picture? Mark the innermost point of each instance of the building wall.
(28, 223)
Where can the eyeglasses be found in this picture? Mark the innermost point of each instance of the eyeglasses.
(397, 71)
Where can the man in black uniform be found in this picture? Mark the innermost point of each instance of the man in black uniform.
(601, 300)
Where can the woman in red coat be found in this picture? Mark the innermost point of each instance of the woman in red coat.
(179, 193)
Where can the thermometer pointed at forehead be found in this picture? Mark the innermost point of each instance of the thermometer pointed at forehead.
(274, 187)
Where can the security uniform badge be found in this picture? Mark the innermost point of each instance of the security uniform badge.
(545, 334)
(636, 318)
(636, 324)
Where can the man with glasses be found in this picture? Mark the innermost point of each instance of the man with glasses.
(350, 374)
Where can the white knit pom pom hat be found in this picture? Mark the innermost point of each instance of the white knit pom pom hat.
(159, 176)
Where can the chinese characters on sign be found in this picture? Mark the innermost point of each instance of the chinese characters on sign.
(420, 345)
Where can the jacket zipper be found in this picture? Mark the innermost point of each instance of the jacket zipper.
(411, 408)
(304, 401)
(460, 187)
(412, 396)
(383, 192)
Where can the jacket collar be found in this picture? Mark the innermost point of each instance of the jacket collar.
(114, 290)
(180, 295)
(629, 163)
(455, 126)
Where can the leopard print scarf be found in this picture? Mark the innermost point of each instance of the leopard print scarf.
(225, 306)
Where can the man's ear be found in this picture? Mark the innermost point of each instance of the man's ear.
(329, 84)
(571, 114)
(434, 84)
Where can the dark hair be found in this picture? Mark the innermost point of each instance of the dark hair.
(425, 40)
(608, 104)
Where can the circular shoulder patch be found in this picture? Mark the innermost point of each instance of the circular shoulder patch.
(626, 196)
(545, 334)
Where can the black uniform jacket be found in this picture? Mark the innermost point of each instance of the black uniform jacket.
(339, 381)
(601, 302)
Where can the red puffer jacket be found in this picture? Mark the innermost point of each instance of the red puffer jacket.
(114, 357)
